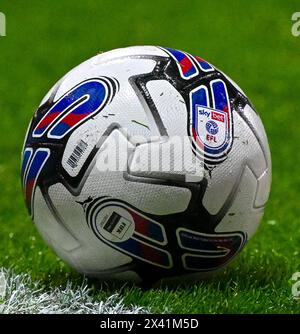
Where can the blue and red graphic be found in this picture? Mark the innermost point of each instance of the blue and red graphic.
(25, 161)
(145, 252)
(32, 165)
(204, 65)
(76, 106)
(147, 228)
(185, 64)
(129, 231)
(208, 251)
(188, 64)
(210, 126)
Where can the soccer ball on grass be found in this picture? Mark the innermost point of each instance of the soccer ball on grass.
(145, 163)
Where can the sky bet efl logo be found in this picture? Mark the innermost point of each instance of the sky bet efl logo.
(2, 25)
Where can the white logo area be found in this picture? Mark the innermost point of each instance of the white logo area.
(211, 126)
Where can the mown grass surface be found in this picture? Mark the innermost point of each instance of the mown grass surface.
(250, 41)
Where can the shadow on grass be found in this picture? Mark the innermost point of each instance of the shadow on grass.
(266, 273)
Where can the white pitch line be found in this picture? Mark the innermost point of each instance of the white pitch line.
(19, 294)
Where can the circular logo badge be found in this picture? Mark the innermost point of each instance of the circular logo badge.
(212, 127)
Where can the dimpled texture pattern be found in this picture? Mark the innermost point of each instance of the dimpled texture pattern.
(238, 187)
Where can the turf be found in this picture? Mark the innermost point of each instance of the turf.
(251, 41)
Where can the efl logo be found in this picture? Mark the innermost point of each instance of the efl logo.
(2, 25)
(296, 25)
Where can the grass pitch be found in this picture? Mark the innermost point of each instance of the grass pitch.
(250, 41)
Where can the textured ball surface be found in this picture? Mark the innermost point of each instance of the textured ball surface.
(86, 176)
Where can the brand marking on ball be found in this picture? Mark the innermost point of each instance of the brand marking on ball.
(210, 126)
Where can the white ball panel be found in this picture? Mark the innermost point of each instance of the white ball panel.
(125, 111)
(171, 159)
(122, 69)
(257, 124)
(143, 50)
(170, 105)
(93, 255)
(245, 150)
(242, 216)
(150, 198)
(52, 230)
(263, 189)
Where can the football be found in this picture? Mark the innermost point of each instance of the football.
(145, 163)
